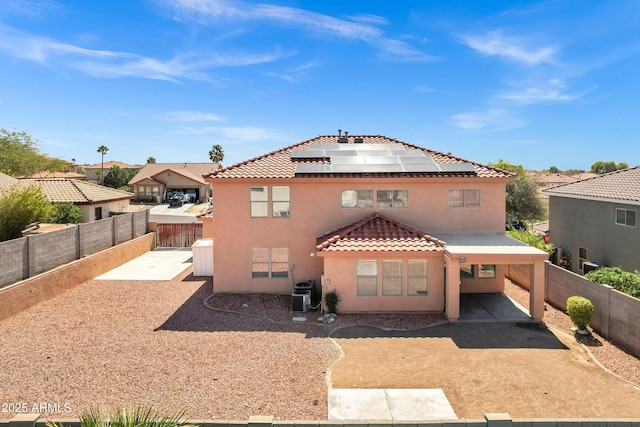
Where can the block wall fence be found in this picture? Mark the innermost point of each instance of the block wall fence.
(616, 315)
(489, 420)
(32, 255)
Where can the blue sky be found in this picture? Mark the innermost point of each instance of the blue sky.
(536, 83)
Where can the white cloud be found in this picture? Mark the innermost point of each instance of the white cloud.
(30, 9)
(491, 120)
(189, 116)
(514, 48)
(112, 64)
(552, 90)
(360, 27)
(237, 134)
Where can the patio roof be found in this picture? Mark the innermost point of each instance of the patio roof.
(489, 245)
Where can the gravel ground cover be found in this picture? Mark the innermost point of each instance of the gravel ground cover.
(124, 343)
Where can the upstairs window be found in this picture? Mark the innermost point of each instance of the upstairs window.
(281, 202)
(392, 198)
(626, 217)
(259, 202)
(464, 198)
(357, 198)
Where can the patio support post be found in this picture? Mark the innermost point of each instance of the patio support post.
(452, 289)
(536, 291)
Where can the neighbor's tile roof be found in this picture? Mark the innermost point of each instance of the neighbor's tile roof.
(76, 191)
(194, 171)
(278, 164)
(110, 163)
(623, 185)
(6, 181)
(378, 233)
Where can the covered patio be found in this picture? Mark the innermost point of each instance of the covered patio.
(491, 249)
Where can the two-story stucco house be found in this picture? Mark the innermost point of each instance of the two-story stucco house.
(596, 220)
(388, 225)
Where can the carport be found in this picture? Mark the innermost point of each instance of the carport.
(496, 249)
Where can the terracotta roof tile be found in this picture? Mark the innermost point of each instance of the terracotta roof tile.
(623, 185)
(279, 164)
(194, 171)
(107, 165)
(378, 233)
(76, 191)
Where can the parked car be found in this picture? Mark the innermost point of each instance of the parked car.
(178, 199)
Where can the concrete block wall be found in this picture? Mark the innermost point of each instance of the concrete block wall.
(140, 222)
(14, 261)
(49, 250)
(616, 315)
(624, 320)
(562, 284)
(95, 236)
(489, 420)
(32, 255)
(123, 228)
(520, 274)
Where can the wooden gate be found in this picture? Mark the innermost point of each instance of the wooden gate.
(178, 235)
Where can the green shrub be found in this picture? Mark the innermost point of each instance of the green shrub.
(331, 300)
(580, 310)
(136, 417)
(530, 239)
(623, 281)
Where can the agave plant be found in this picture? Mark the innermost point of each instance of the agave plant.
(132, 417)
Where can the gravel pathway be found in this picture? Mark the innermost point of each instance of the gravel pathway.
(154, 343)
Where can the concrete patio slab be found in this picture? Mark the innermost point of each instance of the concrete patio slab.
(159, 264)
(389, 405)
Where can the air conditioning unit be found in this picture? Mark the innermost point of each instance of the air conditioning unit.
(300, 300)
(589, 266)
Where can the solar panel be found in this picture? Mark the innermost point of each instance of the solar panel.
(421, 167)
(456, 167)
(373, 158)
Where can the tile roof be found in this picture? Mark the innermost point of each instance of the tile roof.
(279, 164)
(378, 233)
(7, 181)
(622, 185)
(194, 171)
(76, 191)
(110, 163)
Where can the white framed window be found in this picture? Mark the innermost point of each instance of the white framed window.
(357, 198)
(392, 198)
(487, 271)
(626, 217)
(464, 198)
(367, 278)
(391, 277)
(280, 196)
(417, 277)
(269, 263)
(259, 202)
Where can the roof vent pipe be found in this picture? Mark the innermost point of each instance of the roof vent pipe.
(339, 132)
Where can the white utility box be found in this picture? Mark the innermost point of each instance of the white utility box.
(202, 257)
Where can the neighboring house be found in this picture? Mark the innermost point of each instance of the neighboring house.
(6, 182)
(546, 179)
(596, 220)
(156, 181)
(95, 201)
(390, 226)
(91, 170)
(58, 174)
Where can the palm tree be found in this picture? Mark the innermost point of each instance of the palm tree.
(102, 150)
(151, 160)
(216, 154)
